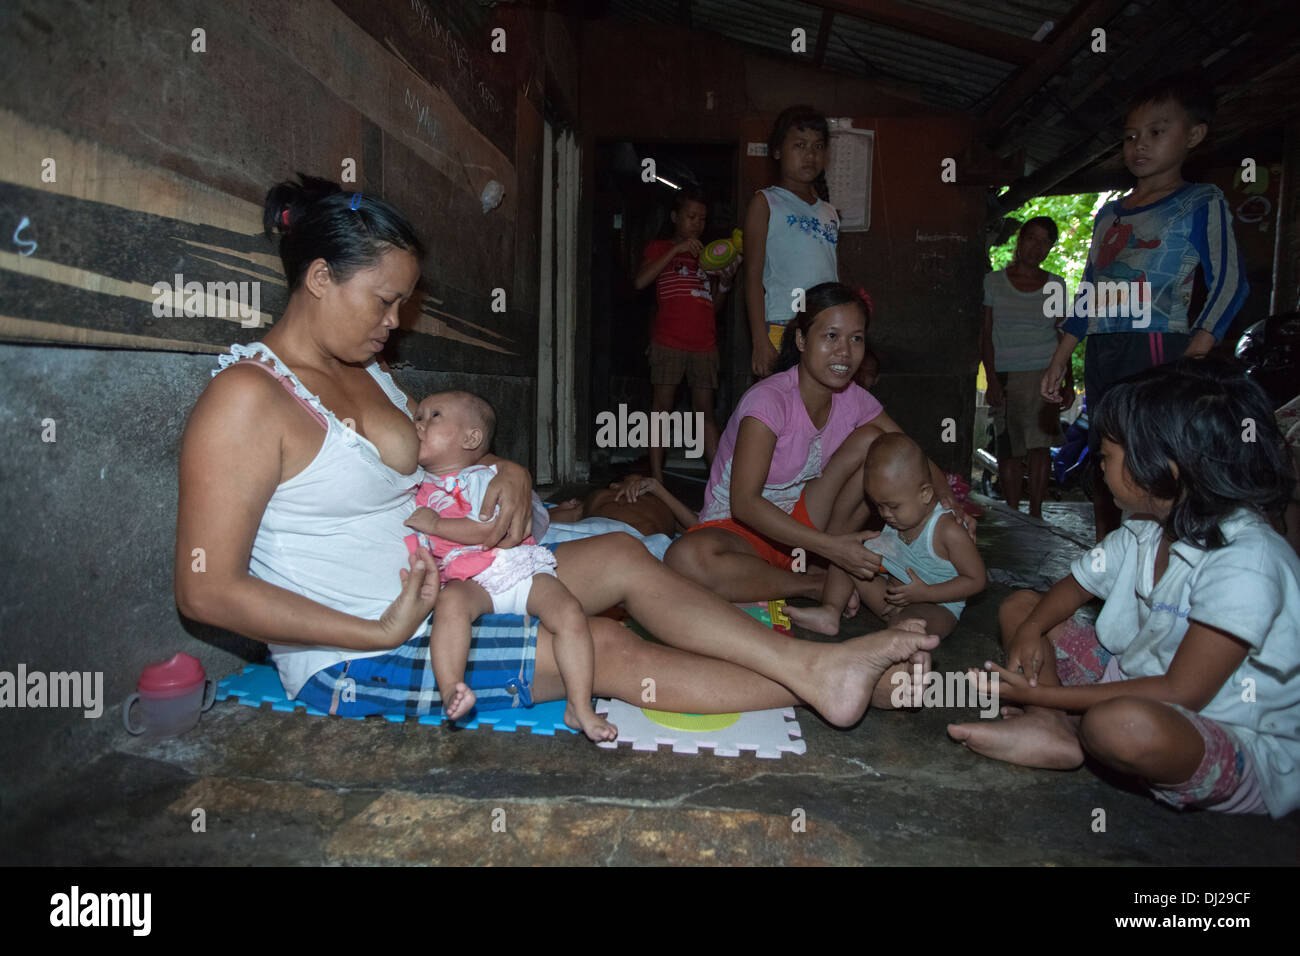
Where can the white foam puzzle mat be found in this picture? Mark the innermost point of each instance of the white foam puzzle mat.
(767, 733)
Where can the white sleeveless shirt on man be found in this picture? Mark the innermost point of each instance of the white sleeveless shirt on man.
(801, 244)
(333, 532)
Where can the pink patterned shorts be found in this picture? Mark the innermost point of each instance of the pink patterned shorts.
(1225, 780)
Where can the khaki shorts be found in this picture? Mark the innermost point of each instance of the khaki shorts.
(1025, 420)
(668, 365)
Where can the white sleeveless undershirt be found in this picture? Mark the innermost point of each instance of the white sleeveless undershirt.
(333, 532)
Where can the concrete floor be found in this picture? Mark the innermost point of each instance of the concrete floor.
(290, 789)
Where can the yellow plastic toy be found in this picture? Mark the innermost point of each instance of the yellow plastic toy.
(717, 255)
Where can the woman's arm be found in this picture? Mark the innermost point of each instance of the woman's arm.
(1204, 661)
(755, 443)
(228, 471)
(511, 491)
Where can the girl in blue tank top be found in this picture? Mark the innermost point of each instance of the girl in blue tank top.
(791, 232)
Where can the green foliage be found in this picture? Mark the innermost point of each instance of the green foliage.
(1073, 216)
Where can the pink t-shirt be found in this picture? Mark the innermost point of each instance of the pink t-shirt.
(801, 450)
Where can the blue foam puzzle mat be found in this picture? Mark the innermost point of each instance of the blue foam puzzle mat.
(259, 684)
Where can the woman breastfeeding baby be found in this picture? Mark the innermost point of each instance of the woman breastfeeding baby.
(298, 473)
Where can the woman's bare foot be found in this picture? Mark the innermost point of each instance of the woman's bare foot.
(843, 676)
(461, 702)
(821, 619)
(1035, 737)
(596, 727)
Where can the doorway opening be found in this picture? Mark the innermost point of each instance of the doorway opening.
(628, 213)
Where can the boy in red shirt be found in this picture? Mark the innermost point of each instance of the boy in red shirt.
(683, 341)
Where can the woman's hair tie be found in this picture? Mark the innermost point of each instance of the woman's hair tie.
(356, 201)
(861, 293)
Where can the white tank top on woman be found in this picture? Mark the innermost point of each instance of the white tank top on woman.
(333, 532)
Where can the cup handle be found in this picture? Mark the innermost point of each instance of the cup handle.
(209, 695)
(126, 715)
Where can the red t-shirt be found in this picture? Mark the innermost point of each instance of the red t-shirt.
(685, 317)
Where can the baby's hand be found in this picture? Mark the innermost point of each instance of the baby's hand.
(423, 519)
(915, 591)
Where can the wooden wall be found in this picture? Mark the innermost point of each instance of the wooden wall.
(164, 154)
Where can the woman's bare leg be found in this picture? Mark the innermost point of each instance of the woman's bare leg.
(630, 669)
(836, 502)
(835, 679)
(727, 564)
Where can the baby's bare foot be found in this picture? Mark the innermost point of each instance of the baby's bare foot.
(1033, 738)
(821, 619)
(855, 602)
(461, 702)
(596, 728)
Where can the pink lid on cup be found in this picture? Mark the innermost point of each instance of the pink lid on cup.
(172, 678)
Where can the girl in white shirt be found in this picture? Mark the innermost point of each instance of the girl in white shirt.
(1190, 681)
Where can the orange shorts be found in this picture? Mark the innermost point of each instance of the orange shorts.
(771, 552)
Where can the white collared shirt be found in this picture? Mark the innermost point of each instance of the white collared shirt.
(1250, 588)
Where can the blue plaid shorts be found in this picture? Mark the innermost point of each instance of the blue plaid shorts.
(502, 654)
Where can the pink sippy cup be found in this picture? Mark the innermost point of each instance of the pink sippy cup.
(172, 694)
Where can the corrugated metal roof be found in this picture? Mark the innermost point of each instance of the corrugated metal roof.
(1018, 19)
(1075, 109)
(945, 75)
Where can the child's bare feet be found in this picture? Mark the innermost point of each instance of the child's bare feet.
(821, 619)
(460, 703)
(1034, 737)
(596, 727)
(855, 603)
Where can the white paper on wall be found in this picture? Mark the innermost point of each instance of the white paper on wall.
(848, 174)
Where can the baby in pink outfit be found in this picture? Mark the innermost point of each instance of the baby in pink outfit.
(455, 431)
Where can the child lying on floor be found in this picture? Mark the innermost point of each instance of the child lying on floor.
(929, 563)
(1190, 681)
(455, 431)
(636, 505)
